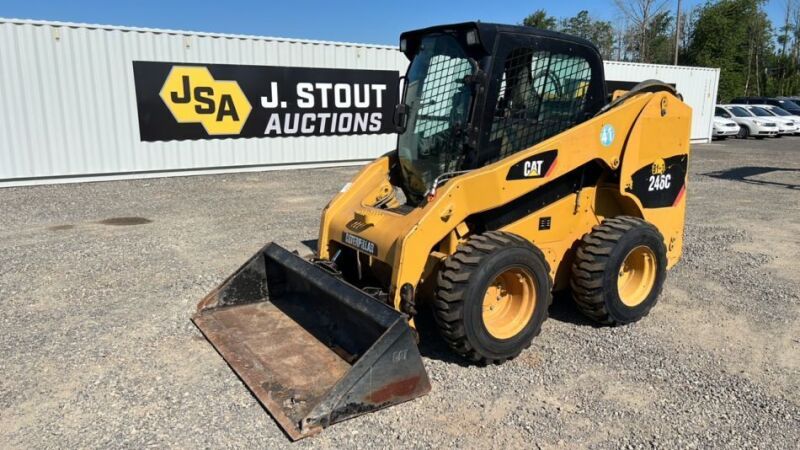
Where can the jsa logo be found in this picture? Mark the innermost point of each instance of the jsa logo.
(194, 96)
(532, 168)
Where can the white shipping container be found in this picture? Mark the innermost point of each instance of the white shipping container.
(68, 103)
(698, 85)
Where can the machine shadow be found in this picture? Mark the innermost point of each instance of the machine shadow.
(564, 310)
(431, 343)
(742, 174)
(433, 346)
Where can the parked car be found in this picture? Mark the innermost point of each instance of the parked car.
(780, 112)
(723, 127)
(749, 124)
(785, 126)
(783, 102)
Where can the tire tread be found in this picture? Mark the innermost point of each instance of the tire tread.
(452, 284)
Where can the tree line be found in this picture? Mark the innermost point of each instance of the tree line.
(754, 56)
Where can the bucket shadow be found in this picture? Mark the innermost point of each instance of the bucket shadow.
(311, 243)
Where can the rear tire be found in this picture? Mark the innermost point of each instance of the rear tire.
(619, 270)
(492, 265)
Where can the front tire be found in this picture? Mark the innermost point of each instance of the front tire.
(492, 297)
(619, 270)
(744, 132)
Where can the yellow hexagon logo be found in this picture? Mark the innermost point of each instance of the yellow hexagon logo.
(658, 167)
(194, 96)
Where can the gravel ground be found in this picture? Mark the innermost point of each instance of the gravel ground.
(97, 350)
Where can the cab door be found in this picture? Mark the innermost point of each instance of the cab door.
(539, 86)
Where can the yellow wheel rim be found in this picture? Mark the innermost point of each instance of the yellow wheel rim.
(637, 275)
(509, 303)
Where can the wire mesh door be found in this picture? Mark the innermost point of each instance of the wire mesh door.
(541, 94)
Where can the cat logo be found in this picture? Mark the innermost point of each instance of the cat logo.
(658, 167)
(532, 168)
(194, 96)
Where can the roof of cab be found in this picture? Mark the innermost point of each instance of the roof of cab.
(489, 31)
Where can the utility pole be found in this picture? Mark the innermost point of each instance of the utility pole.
(677, 33)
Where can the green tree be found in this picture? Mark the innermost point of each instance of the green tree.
(599, 32)
(540, 19)
(657, 46)
(736, 36)
(644, 18)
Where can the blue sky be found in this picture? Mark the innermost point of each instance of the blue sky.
(378, 22)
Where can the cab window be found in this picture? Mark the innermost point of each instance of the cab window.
(541, 94)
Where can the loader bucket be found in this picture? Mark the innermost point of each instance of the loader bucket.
(312, 348)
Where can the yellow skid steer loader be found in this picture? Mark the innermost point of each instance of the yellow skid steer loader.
(515, 175)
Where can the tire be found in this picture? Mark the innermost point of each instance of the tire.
(469, 279)
(597, 270)
(744, 132)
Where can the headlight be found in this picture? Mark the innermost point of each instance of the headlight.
(473, 38)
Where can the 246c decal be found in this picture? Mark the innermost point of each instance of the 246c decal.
(659, 182)
(662, 183)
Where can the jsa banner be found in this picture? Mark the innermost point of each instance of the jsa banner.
(204, 101)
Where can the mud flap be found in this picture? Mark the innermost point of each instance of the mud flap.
(313, 349)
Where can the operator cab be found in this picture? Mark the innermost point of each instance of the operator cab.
(475, 93)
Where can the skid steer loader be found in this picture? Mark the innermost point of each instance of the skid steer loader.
(515, 175)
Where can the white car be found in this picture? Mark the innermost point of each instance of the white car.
(782, 113)
(749, 124)
(724, 127)
(785, 126)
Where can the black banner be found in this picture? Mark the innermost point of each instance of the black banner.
(179, 101)
(661, 184)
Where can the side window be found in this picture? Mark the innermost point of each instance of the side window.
(541, 94)
(444, 100)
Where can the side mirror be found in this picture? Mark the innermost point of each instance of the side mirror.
(400, 117)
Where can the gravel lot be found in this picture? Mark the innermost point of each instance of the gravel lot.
(97, 349)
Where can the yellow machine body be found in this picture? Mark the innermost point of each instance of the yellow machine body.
(650, 129)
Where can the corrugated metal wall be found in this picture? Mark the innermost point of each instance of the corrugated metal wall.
(68, 104)
(698, 85)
